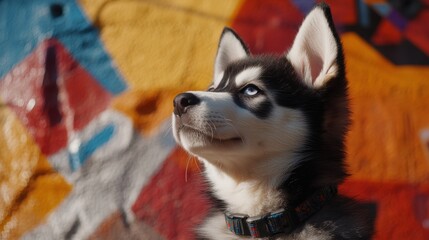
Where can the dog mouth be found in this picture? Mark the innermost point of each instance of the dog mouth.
(208, 138)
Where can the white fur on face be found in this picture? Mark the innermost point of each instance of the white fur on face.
(314, 50)
(260, 163)
(247, 75)
(235, 140)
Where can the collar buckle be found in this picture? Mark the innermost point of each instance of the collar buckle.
(237, 224)
(280, 221)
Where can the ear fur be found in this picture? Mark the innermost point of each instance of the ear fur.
(231, 48)
(316, 53)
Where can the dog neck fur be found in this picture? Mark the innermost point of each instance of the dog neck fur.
(252, 196)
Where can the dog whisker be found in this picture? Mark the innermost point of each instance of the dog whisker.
(168, 130)
(212, 128)
(197, 163)
(186, 168)
(229, 123)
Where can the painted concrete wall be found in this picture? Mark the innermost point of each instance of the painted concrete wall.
(85, 100)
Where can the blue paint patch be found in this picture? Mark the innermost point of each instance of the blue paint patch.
(398, 20)
(305, 6)
(87, 149)
(364, 20)
(382, 8)
(25, 24)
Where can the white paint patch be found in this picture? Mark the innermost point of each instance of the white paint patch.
(247, 75)
(424, 136)
(109, 181)
(314, 51)
(30, 105)
(122, 138)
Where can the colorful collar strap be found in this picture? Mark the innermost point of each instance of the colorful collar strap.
(280, 221)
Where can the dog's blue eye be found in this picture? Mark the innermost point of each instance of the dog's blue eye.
(250, 90)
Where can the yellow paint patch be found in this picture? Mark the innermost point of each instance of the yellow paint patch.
(161, 48)
(390, 108)
(162, 44)
(29, 188)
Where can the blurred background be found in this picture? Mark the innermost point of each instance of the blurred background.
(86, 91)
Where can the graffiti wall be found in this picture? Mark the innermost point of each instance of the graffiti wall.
(86, 91)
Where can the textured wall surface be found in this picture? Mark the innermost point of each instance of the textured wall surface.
(85, 102)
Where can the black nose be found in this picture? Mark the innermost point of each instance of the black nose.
(183, 101)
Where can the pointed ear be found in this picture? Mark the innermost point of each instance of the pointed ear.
(231, 48)
(316, 53)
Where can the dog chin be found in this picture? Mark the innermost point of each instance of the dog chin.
(199, 143)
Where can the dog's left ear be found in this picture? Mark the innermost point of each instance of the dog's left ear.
(231, 48)
(316, 53)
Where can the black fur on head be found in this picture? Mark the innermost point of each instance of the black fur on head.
(325, 109)
(329, 118)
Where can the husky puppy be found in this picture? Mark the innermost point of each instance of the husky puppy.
(270, 133)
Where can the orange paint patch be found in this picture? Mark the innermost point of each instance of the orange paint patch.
(147, 109)
(29, 186)
(389, 105)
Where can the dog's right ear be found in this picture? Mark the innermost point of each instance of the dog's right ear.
(231, 48)
(316, 53)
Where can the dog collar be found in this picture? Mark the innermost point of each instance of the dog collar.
(280, 221)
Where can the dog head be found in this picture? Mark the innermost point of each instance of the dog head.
(266, 114)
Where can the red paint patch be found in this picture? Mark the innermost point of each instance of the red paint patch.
(271, 26)
(186, 161)
(402, 209)
(418, 31)
(170, 204)
(47, 88)
(173, 206)
(268, 26)
(344, 12)
(387, 34)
